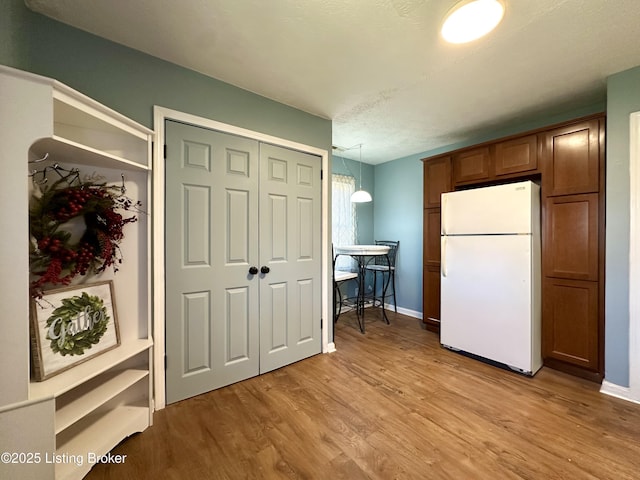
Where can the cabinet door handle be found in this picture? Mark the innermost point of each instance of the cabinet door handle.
(265, 269)
(253, 270)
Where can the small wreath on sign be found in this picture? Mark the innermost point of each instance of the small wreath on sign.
(77, 325)
(56, 255)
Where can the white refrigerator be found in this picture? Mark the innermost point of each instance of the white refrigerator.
(491, 274)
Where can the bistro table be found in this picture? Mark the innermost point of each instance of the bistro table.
(365, 254)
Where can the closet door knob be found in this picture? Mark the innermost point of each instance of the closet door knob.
(253, 270)
(265, 269)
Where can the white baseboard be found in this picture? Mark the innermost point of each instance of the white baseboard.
(331, 347)
(390, 307)
(625, 393)
(404, 311)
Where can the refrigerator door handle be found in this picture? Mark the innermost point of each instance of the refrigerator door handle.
(443, 215)
(443, 256)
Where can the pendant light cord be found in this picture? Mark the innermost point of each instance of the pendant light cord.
(360, 196)
(360, 166)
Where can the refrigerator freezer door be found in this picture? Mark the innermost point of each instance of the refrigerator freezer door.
(510, 208)
(487, 299)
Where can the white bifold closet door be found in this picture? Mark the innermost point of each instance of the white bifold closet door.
(243, 258)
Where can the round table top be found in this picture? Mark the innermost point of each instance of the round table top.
(362, 250)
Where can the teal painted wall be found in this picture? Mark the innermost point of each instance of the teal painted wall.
(623, 98)
(398, 216)
(14, 44)
(132, 82)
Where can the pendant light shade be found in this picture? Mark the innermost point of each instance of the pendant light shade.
(361, 196)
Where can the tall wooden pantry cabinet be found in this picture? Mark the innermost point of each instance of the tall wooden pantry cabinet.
(567, 160)
(437, 180)
(68, 420)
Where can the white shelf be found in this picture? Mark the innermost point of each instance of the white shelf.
(56, 386)
(110, 385)
(84, 121)
(101, 401)
(74, 108)
(63, 150)
(101, 434)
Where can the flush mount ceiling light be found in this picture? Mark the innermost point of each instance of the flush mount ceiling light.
(471, 19)
(361, 196)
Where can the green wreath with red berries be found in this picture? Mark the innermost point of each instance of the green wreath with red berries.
(54, 258)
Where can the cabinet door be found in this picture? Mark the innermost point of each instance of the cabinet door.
(471, 165)
(570, 322)
(437, 180)
(431, 297)
(571, 158)
(571, 237)
(431, 269)
(517, 155)
(432, 236)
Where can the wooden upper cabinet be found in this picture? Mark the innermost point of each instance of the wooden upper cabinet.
(437, 180)
(571, 157)
(472, 165)
(571, 237)
(516, 156)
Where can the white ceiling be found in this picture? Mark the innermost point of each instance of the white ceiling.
(378, 68)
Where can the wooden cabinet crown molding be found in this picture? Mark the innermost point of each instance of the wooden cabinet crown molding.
(520, 135)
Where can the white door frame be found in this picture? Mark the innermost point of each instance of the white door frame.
(634, 258)
(160, 114)
(632, 392)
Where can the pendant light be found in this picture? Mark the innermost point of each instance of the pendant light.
(469, 20)
(361, 196)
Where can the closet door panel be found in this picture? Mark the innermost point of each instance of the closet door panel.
(290, 219)
(212, 309)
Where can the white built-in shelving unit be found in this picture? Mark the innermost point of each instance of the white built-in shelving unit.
(98, 403)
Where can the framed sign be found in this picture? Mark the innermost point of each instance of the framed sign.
(72, 325)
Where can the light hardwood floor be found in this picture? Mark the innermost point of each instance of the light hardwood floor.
(390, 404)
